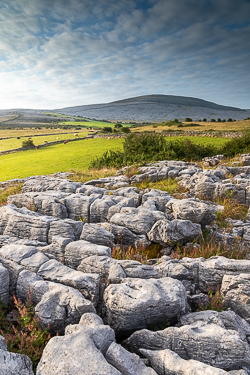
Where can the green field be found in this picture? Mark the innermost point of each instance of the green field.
(63, 158)
(12, 143)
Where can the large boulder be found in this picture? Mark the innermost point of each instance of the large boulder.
(137, 303)
(166, 232)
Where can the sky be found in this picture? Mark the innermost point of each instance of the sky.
(61, 53)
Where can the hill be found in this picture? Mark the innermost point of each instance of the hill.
(156, 108)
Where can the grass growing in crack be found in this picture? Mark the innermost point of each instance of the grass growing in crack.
(209, 248)
(11, 190)
(232, 209)
(169, 185)
(215, 301)
(91, 174)
(23, 336)
(140, 254)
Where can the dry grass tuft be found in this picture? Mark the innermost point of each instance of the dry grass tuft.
(141, 254)
(91, 174)
(11, 190)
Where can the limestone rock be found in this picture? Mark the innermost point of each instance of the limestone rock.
(193, 210)
(167, 362)
(76, 251)
(165, 232)
(136, 303)
(97, 235)
(207, 343)
(236, 294)
(127, 363)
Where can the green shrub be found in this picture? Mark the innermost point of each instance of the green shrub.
(107, 129)
(238, 145)
(118, 125)
(188, 119)
(126, 130)
(27, 143)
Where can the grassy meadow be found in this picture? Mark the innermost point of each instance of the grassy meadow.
(66, 157)
(12, 143)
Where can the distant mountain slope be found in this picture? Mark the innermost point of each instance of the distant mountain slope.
(156, 108)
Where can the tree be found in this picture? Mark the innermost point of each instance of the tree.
(188, 119)
(28, 143)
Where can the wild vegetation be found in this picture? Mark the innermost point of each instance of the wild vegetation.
(139, 148)
(21, 330)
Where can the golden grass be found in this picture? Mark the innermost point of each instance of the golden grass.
(169, 185)
(140, 255)
(205, 126)
(91, 174)
(11, 190)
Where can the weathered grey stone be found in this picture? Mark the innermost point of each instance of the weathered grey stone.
(22, 223)
(126, 362)
(212, 271)
(4, 284)
(138, 270)
(14, 270)
(225, 319)
(78, 207)
(65, 228)
(97, 235)
(125, 237)
(56, 305)
(96, 264)
(80, 351)
(173, 268)
(139, 222)
(87, 284)
(90, 189)
(34, 262)
(190, 209)
(235, 290)
(17, 253)
(136, 303)
(207, 343)
(165, 232)
(3, 343)
(44, 183)
(15, 364)
(206, 189)
(166, 362)
(76, 251)
(99, 209)
(116, 273)
(56, 248)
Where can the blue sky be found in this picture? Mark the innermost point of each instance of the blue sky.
(58, 53)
